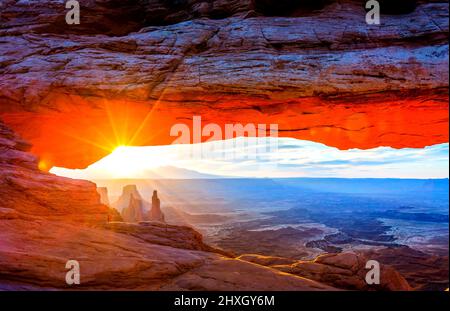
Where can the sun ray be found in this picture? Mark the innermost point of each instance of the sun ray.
(88, 141)
(111, 121)
(154, 106)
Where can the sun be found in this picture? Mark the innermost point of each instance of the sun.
(130, 161)
(121, 163)
(119, 148)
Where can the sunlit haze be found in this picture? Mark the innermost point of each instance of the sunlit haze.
(265, 157)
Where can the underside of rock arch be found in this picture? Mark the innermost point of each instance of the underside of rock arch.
(133, 69)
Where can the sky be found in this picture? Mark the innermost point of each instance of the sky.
(265, 157)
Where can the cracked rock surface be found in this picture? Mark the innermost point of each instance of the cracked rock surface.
(140, 66)
(319, 72)
(46, 220)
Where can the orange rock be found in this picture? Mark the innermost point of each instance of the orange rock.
(342, 270)
(33, 193)
(77, 97)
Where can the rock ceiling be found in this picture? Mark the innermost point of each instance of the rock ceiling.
(133, 69)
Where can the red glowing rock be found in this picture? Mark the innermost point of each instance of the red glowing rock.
(337, 81)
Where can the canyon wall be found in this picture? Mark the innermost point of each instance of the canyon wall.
(27, 192)
(46, 220)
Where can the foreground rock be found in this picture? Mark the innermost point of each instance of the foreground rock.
(423, 271)
(344, 270)
(267, 260)
(46, 220)
(163, 234)
(33, 255)
(104, 198)
(27, 192)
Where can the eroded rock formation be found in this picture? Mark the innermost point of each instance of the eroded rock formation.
(343, 270)
(155, 214)
(47, 220)
(134, 211)
(164, 234)
(422, 271)
(26, 192)
(128, 192)
(319, 71)
(114, 215)
(134, 68)
(104, 198)
(33, 255)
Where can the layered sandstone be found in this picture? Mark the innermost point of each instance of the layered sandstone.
(25, 191)
(164, 234)
(343, 270)
(46, 221)
(155, 213)
(134, 211)
(129, 192)
(33, 256)
(422, 271)
(132, 69)
(104, 198)
(319, 72)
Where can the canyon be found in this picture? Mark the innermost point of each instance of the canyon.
(47, 220)
(69, 95)
(39, 234)
(267, 222)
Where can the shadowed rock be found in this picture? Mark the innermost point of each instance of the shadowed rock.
(337, 81)
(47, 220)
(124, 200)
(103, 192)
(155, 213)
(267, 260)
(28, 192)
(344, 270)
(134, 211)
(423, 271)
(164, 234)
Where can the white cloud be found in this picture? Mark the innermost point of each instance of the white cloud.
(270, 157)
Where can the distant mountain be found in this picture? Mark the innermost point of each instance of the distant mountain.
(172, 172)
(135, 208)
(161, 172)
(128, 192)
